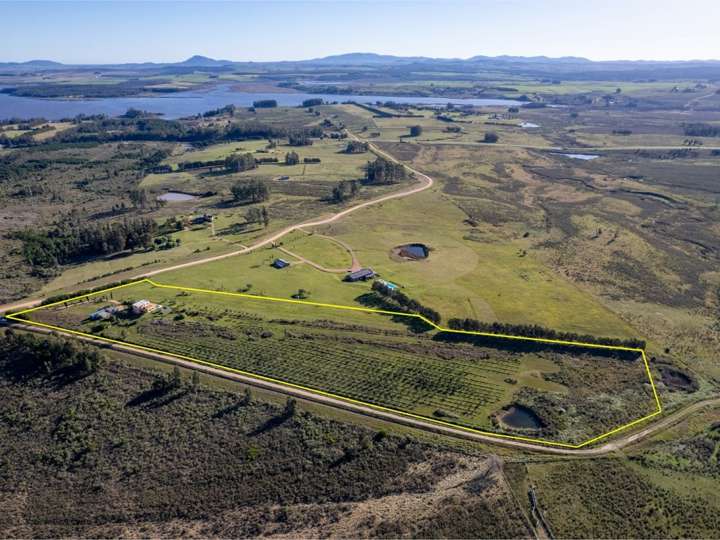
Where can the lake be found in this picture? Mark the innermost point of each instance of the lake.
(176, 196)
(189, 103)
(584, 157)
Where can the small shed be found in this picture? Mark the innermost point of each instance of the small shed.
(280, 263)
(360, 275)
(100, 315)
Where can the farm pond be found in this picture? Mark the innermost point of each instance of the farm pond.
(519, 417)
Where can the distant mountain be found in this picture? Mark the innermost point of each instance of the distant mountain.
(568, 67)
(42, 63)
(202, 61)
(365, 59)
(33, 63)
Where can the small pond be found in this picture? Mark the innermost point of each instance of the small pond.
(520, 417)
(529, 125)
(176, 196)
(677, 380)
(584, 157)
(413, 251)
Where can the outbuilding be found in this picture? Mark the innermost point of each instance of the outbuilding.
(280, 263)
(360, 275)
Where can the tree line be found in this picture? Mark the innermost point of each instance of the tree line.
(537, 331)
(701, 129)
(102, 130)
(66, 243)
(405, 302)
(27, 355)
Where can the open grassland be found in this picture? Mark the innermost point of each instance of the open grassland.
(390, 361)
(666, 487)
(465, 276)
(472, 128)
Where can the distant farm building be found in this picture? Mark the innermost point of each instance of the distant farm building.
(388, 284)
(144, 306)
(280, 263)
(104, 313)
(205, 218)
(360, 275)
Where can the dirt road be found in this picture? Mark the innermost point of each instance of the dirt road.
(606, 448)
(424, 182)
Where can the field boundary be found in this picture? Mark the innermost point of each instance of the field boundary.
(18, 317)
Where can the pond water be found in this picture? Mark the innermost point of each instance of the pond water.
(176, 196)
(413, 251)
(586, 157)
(192, 102)
(529, 125)
(676, 380)
(520, 417)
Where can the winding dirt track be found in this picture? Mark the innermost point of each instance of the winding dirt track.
(424, 183)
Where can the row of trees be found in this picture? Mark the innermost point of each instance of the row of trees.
(536, 331)
(301, 138)
(405, 302)
(251, 191)
(382, 171)
(157, 129)
(265, 103)
(67, 243)
(701, 129)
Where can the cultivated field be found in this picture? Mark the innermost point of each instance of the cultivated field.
(389, 361)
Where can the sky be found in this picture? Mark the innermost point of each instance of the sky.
(168, 31)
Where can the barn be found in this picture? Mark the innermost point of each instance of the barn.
(360, 275)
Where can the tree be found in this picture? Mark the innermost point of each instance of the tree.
(252, 191)
(240, 162)
(247, 397)
(416, 131)
(254, 215)
(345, 190)
(265, 217)
(139, 198)
(290, 408)
(299, 138)
(292, 158)
(490, 137)
(312, 102)
(265, 103)
(356, 147)
(175, 380)
(382, 171)
(195, 381)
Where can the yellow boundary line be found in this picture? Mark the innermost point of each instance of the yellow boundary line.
(16, 317)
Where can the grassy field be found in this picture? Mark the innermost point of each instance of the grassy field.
(384, 360)
(666, 487)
